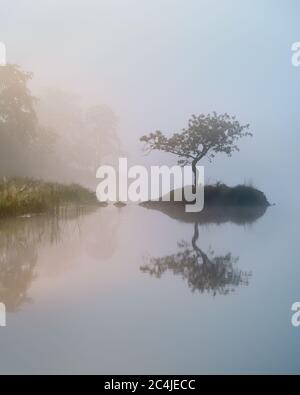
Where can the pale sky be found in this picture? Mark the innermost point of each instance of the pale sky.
(156, 62)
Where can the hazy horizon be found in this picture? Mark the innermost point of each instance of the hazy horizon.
(156, 63)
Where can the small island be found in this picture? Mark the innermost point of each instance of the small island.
(205, 137)
(240, 205)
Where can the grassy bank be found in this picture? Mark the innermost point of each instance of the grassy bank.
(21, 196)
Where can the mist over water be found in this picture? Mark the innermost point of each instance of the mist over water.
(155, 63)
(137, 289)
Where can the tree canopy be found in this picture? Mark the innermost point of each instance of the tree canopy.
(205, 136)
(19, 127)
(18, 119)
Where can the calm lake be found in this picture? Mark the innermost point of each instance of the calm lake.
(138, 291)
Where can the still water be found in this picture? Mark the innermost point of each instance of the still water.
(140, 291)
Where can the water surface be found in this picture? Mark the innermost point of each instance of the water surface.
(134, 290)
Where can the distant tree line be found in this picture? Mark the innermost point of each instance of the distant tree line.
(51, 136)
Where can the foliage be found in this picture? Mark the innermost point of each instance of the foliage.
(18, 120)
(206, 136)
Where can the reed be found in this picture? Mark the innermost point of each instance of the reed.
(20, 196)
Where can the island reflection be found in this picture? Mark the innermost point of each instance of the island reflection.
(204, 272)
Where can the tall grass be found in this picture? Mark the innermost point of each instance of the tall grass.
(19, 196)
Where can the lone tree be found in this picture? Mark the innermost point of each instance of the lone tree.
(206, 136)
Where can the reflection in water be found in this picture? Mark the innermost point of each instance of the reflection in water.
(19, 240)
(211, 215)
(17, 264)
(100, 239)
(203, 272)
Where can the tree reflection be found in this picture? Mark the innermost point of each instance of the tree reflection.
(19, 242)
(17, 272)
(203, 272)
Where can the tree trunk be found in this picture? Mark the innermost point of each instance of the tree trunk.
(194, 168)
(199, 252)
